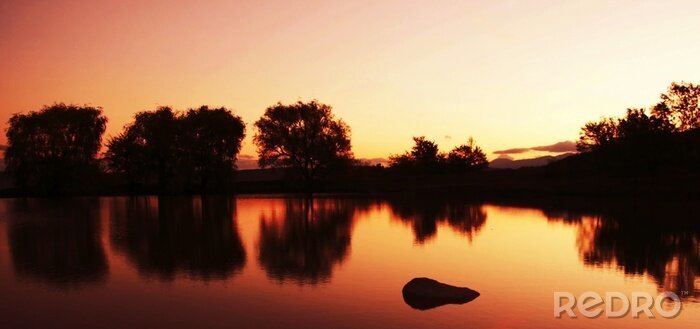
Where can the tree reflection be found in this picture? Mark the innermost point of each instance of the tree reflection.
(668, 252)
(662, 242)
(305, 243)
(57, 241)
(166, 236)
(424, 215)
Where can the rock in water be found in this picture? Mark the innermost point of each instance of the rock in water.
(424, 294)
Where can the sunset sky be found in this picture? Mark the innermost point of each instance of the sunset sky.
(512, 74)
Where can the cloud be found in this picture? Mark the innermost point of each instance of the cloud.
(561, 147)
(513, 151)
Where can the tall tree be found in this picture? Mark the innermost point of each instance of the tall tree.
(595, 135)
(424, 155)
(467, 156)
(148, 147)
(212, 140)
(194, 149)
(125, 154)
(304, 136)
(55, 147)
(638, 125)
(635, 127)
(680, 105)
(425, 152)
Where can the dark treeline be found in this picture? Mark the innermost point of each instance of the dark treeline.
(55, 147)
(664, 138)
(59, 150)
(305, 137)
(191, 151)
(648, 153)
(426, 157)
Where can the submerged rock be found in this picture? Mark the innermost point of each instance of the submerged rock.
(424, 294)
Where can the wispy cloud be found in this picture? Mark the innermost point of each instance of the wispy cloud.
(561, 147)
(513, 151)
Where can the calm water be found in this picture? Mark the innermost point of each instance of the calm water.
(259, 262)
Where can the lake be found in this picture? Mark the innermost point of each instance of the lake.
(333, 262)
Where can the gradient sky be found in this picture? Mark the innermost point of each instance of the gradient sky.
(509, 73)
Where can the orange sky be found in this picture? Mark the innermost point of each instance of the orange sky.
(508, 73)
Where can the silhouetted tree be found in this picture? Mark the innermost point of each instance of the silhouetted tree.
(305, 136)
(424, 155)
(400, 161)
(467, 156)
(194, 148)
(148, 147)
(212, 142)
(54, 147)
(680, 105)
(125, 154)
(666, 140)
(595, 135)
(635, 143)
(638, 125)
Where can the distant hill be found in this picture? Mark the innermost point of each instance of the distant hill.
(507, 163)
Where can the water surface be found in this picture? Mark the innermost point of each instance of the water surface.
(330, 262)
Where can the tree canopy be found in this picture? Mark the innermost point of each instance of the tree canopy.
(677, 111)
(425, 156)
(212, 141)
(664, 137)
(597, 134)
(147, 148)
(304, 136)
(178, 149)
(680, 106)
(467, 156)
(54, 147)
